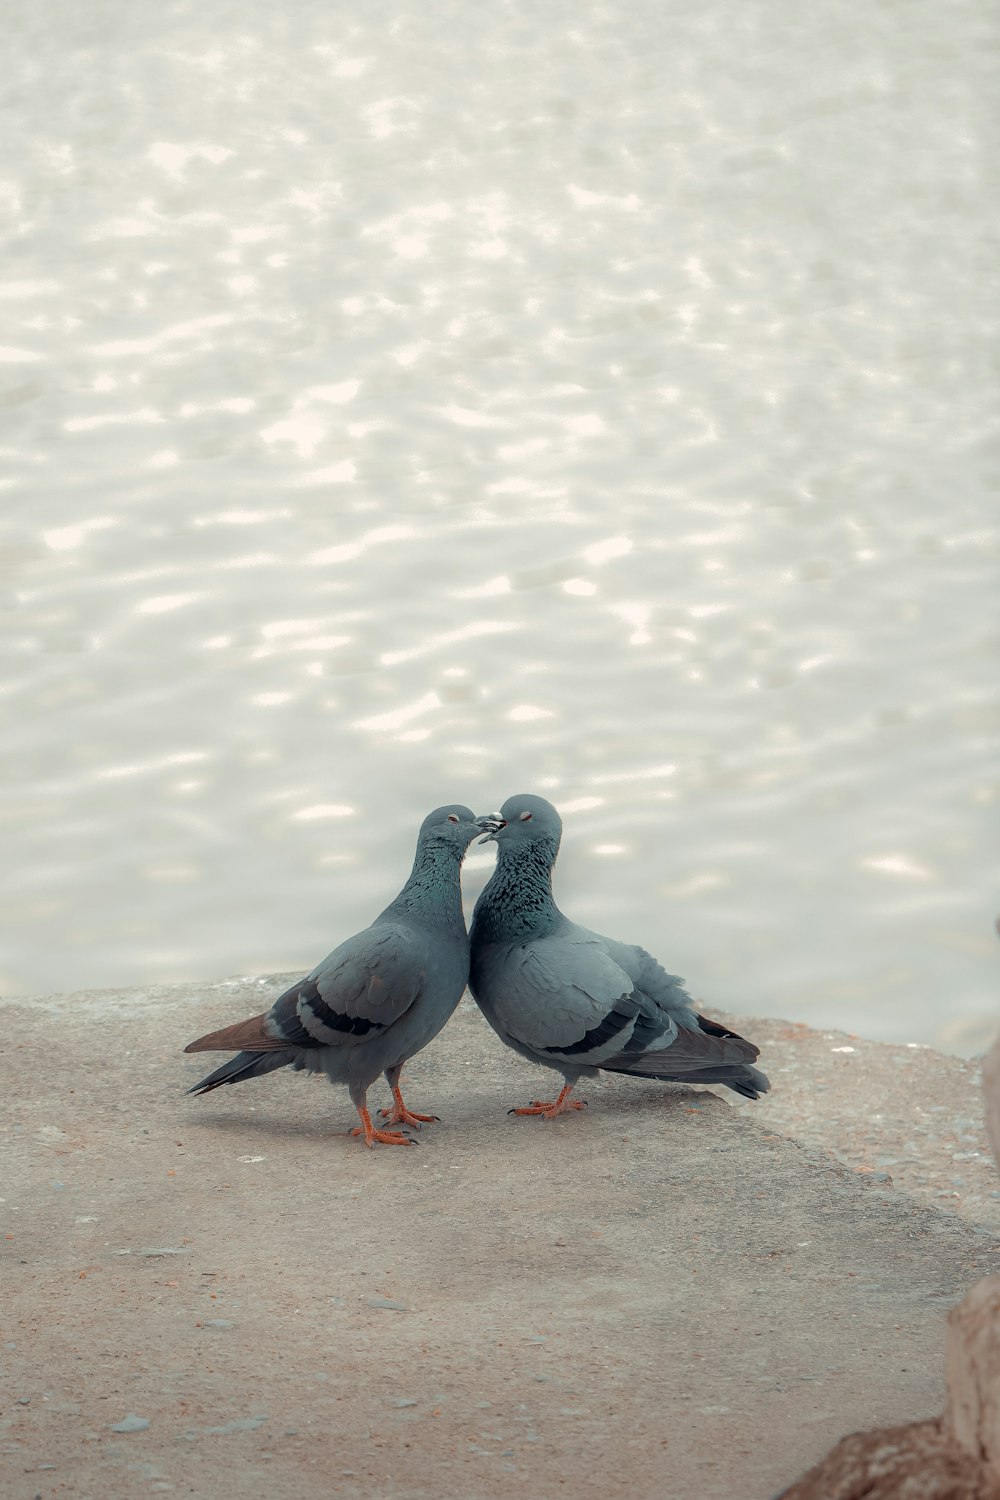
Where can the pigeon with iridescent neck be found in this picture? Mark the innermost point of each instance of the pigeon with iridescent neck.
(573, 1000)
(376, 999)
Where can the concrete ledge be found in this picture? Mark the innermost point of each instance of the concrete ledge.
(661, 1297)
(885, 1109)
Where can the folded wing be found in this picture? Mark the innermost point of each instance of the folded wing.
(587, 1001)
(562, 997)
(356, 993)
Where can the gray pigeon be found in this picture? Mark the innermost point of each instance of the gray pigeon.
(572, 1000)
(378, 998)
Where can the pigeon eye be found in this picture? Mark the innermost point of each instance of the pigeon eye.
(525, 817)
(452, 818)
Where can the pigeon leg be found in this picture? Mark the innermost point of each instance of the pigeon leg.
(371, 1135)
(549, 1108)
(399, 1114)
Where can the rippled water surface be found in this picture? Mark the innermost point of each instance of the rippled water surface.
(433, 402)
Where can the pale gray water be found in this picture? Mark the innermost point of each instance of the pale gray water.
(441, 401)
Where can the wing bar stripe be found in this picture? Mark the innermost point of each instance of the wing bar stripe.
(335, 1020)
(612, 1024)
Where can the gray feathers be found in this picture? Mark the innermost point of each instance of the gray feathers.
(380, 996)
(573, 1000)
(558, 994)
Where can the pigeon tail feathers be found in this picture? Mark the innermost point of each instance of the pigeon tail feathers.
(750, 1082)
(712, 1054)
(752, 1086)
(243, 1065)
(246, 1036)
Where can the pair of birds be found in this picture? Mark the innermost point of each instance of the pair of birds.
(557, 993)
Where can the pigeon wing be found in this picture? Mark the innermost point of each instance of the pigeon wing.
(359, 991)
(667, 1036)
(356, 993)
(565, 997)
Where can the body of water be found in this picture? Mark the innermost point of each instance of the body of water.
(433, 403)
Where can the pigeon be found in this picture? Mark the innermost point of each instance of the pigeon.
(573, 1000)
(379, 997)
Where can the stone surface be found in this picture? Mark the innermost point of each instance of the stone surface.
(131, 1423)
(954, 1458)
(973, 1372)
(908, 1111)
(662, 1292)
(916, 1462)
(957, 1457)
(991, 1093)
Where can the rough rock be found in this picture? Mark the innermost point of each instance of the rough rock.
(916, 1462)
(973, 1372)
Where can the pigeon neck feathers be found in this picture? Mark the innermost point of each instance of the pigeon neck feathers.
(433, 892)
(517, 903)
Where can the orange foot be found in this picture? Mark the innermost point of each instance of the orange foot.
(386, 1137)
(400, 1115)
(549, 1108)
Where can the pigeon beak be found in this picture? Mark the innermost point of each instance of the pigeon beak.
(492, 823)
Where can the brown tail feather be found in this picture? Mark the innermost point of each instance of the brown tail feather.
(245, 1036)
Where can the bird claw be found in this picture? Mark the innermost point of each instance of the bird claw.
(371, 1135)
(400, 1115)
(386, 1137)
(547, 1109)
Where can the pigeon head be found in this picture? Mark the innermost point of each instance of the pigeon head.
(524, 820)
(454, 825)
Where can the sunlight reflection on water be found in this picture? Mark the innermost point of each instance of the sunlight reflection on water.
(418, 415)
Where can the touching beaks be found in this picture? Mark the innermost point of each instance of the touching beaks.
(493, 823)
